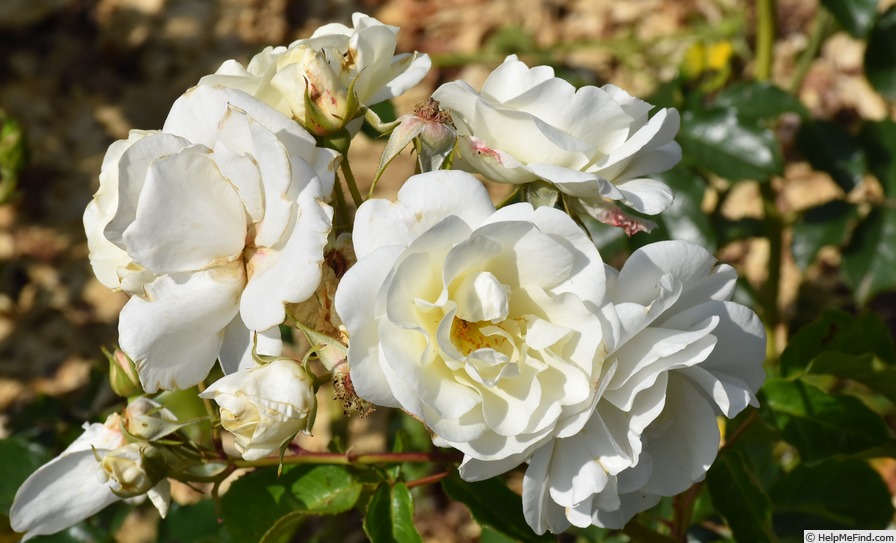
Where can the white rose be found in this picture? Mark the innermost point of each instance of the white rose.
(66, 490)
(212, 224)
(595, 144)
(265, 407)
(335, 60)
(481, 323)
(682, 355)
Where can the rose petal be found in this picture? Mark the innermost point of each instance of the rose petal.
(290, 272)
(60, 494)
(175, 337)
(418, 207)
(132, 168)
(188, 217)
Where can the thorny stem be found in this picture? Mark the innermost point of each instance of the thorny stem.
(683, 506)
(349, 458)
(751, 418)
(428, 479)
(215, 479)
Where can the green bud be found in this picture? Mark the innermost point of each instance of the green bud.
(123, 374)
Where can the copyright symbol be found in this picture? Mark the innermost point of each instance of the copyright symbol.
(810, 537)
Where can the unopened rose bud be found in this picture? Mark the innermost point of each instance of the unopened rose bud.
(266, 406)
(318, 99)
(123, 374)
(148, 420)
(132, 470)
(432, 131)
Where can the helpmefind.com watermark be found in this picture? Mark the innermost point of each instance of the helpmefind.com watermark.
(837, 536)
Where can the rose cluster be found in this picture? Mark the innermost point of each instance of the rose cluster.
(501, 329)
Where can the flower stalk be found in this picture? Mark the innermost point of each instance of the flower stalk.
(348, 458)
(765, 38)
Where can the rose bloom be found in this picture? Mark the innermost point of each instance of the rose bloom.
(211, 224)
(680, 355)
(336, 69)
(75, 485)
(480, 323)
(596, 145)
(264, 407)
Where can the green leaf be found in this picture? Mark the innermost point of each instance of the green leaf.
(826, 225)
(642, 534)
(194, 523)
(837, 331)
(856, 16)
(832, 150)
(326, 490)
(390, 515)
(818, 423)
(834, 495)
(285, 527)
(870, 257)
(880, 54)
(493, 504)
(261, 505)
(864, 369)
(490, 536)
(879, 141)
(756, 449)
(738, 496)
(684, 219)
(748, 227)
(759, 100)
(718, 141)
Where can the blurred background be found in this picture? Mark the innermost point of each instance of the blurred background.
(75, 75)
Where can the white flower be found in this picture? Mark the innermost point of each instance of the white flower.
(481, 323)
(595, 144)
(324, 69)
(71, 487)
(211, 224)
(682, 354)
(265, 407)
(131, 470)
